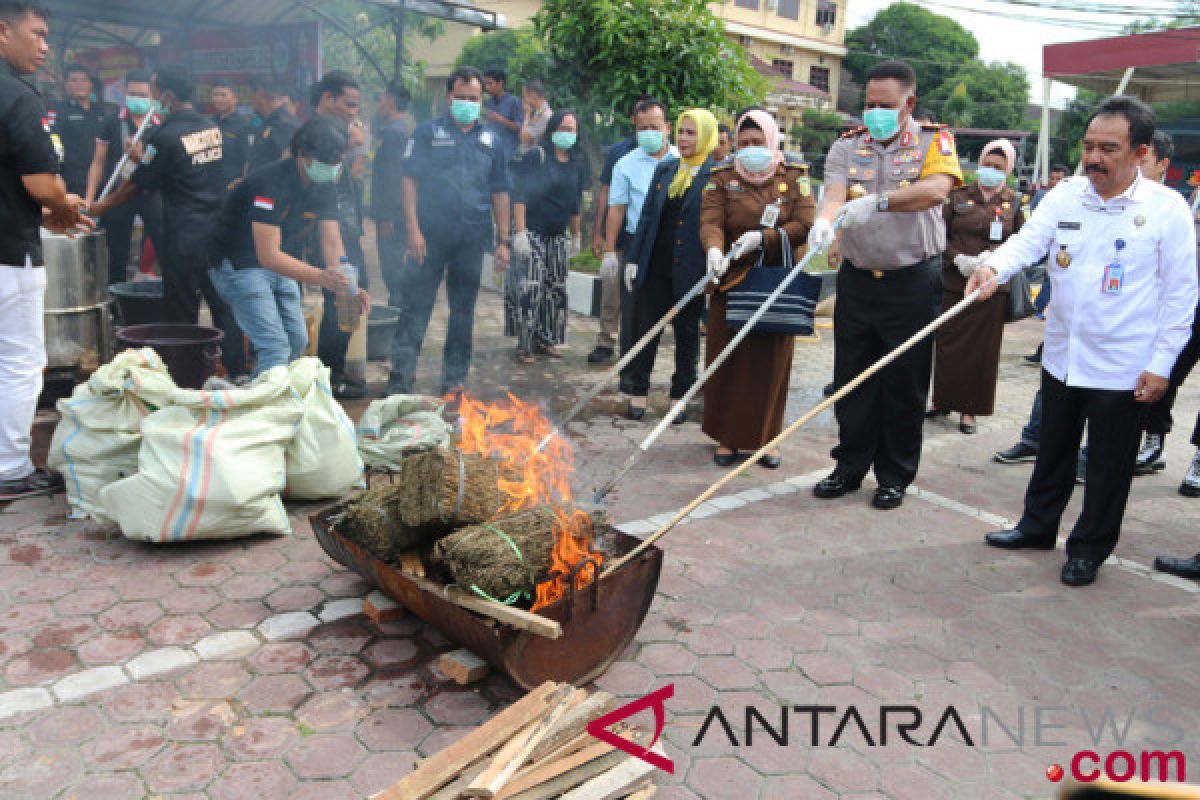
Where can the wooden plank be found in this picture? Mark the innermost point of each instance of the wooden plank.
(555, 787)
(441, 768)
(514, 755)
(553, 777)
(617, 782)
(573, 723)
(515, 617)
(645, 793)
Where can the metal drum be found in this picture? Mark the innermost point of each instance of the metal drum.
(78, 325)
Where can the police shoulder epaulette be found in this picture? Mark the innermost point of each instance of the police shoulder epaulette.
(934, 126)
(850, 134)
(795, 160)
(724, 165)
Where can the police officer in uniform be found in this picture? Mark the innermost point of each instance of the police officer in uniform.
(235, 133)
(269, 101)
(896, 174)
(455, 180)
(182, 159)
(77, 122)
(29, 183)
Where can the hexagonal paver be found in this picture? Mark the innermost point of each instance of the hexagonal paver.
(380, 770)
(667, 659)
(43, 774)
(111, 648)
(325, 756)
(725, 673)
(248, 587)
(181, 629)
(723, 779)
(345, 584)
(86, 602)
(39, 667)
(70, 632)
(457, 708)
(255, 781)
(274, 693)
(124, 747)
(262, 738)
(182, 767)
(213, 681)
(344, 637)
(392, 653)
(123, 786)
(65, 725)
(205, 573)
(135, 614)
(336, 672)
(304, 571)
(295, 598)
(331, 711)
(141, 702)
(190, 600)
(279, 657)
(233, 614)
(200, 720)
(393, 729)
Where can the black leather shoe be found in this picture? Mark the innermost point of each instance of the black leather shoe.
(635, 413)
(600, 355)
(829, 390)
(967, 429)
(836, 486)
(724, 459)
(1019, 453)
(1079, 572)
(770, 462)
(936, 413)
(682, 418)
(1183, 567)
(887, 497)
(1016, 539)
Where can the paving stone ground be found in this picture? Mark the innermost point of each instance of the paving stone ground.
(245, 668)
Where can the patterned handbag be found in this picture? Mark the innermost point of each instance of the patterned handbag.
(791, 314)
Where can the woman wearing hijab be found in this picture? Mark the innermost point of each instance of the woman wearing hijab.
(979, 218)
(665, 259)
(746, 204)
(548, 190)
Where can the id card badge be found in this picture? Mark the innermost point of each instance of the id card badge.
(996, 231)
(770, 215)
(1114, 279)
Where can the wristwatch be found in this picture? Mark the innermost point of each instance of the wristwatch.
(505, 242)
(882, 203)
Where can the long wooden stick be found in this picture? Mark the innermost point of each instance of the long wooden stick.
(631, 354)
(788, 431)
(516, 617)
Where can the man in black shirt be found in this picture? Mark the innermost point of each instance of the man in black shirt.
(386, 178)
(269, 101)
(77, 122)
(114, 138)
(235, 133)
(263, 237)
(29, 183)
(182, 159)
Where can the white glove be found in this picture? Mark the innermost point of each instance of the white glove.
(857, 212)
(609, 265)
(630, 276)
(821, 236)
(748, 242)
(968, 264)
(574, 246)
(716, 263)
(521, 246)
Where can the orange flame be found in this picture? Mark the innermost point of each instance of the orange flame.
(511, 431)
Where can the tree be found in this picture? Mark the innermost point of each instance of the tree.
(376, 48)
(494, 49)
(983, 95)
(1068, 141)
(818, 132)
(933, 44)
(1187, 13)
(605, 54)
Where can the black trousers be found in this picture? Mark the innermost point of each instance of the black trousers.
(118, 231)
(880, 423)
(185, 281)
(1114, 421)
(1158, 415)
(332, 342)
(649, 304)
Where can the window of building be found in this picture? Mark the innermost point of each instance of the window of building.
(783, 66)
(789, 9)
(819, 78)
(750, 4)
(827, 12)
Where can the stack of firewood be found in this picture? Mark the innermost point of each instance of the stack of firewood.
(536, 749)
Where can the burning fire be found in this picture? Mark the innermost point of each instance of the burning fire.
(511, 431)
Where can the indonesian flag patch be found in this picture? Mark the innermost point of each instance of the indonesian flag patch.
(946, 143)
(265, 203)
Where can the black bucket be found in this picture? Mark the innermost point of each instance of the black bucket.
(381, 328)
(139, 302)
(191, 352)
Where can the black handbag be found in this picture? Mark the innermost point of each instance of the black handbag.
(1020, 298)
(791, 314)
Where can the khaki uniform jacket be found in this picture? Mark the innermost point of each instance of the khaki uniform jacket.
(731, 207)
(969, 220)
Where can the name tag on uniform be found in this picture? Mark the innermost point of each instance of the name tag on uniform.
(1114, 279)
(996, 231)
(770, 215)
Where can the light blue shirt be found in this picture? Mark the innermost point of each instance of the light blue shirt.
(631, 181)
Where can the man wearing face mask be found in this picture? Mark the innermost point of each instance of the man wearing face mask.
(888, 180)
(182, 160)
(630, 184)
(263, 242)
(455, 182)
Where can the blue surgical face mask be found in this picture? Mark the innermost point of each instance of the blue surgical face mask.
(989, 177)
(650, 141)
(883, 123)
(563, 140)
(320, 172)
(465, 112)
(139, 106)
(755, 159)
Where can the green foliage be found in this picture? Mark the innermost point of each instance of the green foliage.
(983, 96)
(494, 49)
(930, 42)
(1186, 15)
(376, 49)
(1068, 140)
(818, 131)
(603, 54)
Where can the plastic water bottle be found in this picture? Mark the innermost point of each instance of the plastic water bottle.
(349, 310)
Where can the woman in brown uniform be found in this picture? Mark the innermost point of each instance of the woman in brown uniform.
(745, 204)
(979, 217)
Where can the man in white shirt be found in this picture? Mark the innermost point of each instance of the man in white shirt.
(1123, 266)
